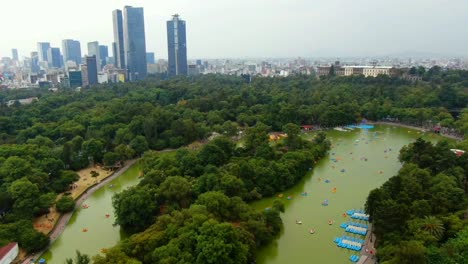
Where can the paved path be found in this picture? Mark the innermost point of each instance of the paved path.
(367, 248)
(62, 222)
(416, 128)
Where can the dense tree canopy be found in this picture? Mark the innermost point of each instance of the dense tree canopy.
(419, 215)
(41, 144)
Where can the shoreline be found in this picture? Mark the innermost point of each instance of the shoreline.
(59, 226)
(415, 128)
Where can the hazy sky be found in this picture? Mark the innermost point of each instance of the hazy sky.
(250, 28)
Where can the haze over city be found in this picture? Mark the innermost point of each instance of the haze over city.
(260, 28)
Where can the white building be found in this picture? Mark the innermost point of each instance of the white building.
(8, 253)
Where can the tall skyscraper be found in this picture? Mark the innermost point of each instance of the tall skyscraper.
(103, 53)
(93, 49)
(92, 70)
(55, 59)
(176, 46)
(71, 51)
(135, 43)
(150, 58)
(118, 47)
(34, 62)
(14, 54)
(42, 49)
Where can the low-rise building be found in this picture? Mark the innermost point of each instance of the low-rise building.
(8, 253)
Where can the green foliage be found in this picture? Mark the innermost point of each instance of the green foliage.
(65, 204)
(68, 130)
(418, 210)
(135, 208)
(79, 259)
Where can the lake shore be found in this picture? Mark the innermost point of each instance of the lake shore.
(416, 128)
(63, 220)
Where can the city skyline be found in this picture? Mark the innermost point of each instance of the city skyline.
(280, 29)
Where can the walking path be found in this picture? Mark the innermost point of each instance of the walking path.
(62, 222)
(368, 250)
(416, 128)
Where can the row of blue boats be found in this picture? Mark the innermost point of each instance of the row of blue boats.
(354, 258)
(354, 211)
(346, 224)
(353, 239)
(341, 243)
(350, 229)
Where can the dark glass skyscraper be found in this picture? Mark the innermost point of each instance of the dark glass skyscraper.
(103, 53)
(176, 46)
(55, 58)
(71, 51)
(135, 43)
(118, 45)
(42, 49)
(92, 70)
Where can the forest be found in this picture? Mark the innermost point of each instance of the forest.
(44, 143)
(420, 215)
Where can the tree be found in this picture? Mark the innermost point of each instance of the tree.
(111, 158)
(176, 190)
(139, 144)
(135, 208)
(93, 149)
(293, 141)
(25, 195)
(65, 204)
(220, 243)
(79, 259)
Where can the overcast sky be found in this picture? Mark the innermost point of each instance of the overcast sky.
(250, 28)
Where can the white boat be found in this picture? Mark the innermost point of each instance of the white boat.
(340, 129)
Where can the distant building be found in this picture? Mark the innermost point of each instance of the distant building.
(193, 69)
(177, 46)
(75, 78)
(92, 70)
(8, 253)
(150, 58)
(84, 75)
(35, 62)
(118, 47)
(367, 71)
(42, 49)
(103, 53)
(22, 102)
(135, 43)
(55, 58)
(14, 54)
(93, 50)
(71, 51)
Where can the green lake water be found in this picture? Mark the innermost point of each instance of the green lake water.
(101, 233)
(295, 244)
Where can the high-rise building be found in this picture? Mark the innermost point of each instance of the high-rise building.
(71, 51)
(135, 43)
(92, 71)
(55, 59)
(177, 46)
(93, 50)
(150, 58)
(34, 62)
(103, 53)
(75, 79)
(42, 49)
(14, 54)
(118, 47)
